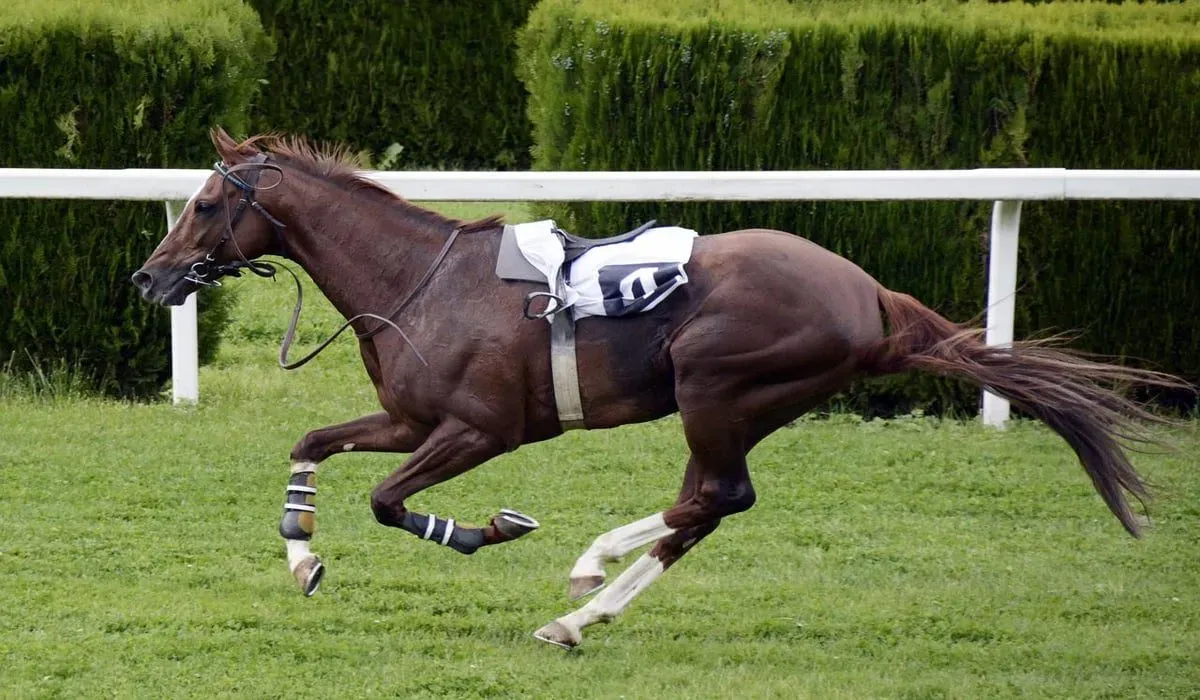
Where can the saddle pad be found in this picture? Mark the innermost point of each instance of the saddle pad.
(631, 277)
(613, 280)
(511, 264)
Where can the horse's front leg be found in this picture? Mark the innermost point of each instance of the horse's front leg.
(374, 433)
(451, 449)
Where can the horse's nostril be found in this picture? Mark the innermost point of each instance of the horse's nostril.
(142, 279)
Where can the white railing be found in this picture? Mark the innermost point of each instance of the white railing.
(1006, 187)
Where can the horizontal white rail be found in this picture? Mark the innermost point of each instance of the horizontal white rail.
(988, 184)
(1006, 187)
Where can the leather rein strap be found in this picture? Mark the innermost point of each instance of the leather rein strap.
(384, 322)
(437, 262)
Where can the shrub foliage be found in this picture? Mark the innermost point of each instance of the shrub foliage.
(125, 83)
(434, 76)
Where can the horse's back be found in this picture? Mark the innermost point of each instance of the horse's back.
(789, 279)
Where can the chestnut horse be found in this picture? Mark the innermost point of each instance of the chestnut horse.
(768, 327)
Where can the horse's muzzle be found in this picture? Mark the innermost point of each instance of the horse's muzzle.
(163, 287)
(142, 280)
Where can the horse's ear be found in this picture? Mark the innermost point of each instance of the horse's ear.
(230, 151)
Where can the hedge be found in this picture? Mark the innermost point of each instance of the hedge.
(771, 85)
(434, 76)
(125, 83)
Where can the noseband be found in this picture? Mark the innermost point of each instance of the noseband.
(207, 272)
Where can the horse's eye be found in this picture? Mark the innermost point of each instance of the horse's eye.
(204, 207)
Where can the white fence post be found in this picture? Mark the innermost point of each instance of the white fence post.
(185, 345)
(1002, 294)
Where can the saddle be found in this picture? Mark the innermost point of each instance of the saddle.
(631, 277)
(575, 246)
(512, 265)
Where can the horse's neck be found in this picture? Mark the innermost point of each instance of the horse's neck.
(364, 254)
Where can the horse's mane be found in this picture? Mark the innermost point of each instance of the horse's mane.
(342, 166)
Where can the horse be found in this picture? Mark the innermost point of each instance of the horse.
(769, 326)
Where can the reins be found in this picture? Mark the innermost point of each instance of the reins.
(416, 290)
(207, 273)
(289, 336)
(385, 322)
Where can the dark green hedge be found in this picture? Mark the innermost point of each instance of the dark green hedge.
(434, 76)
(702, 84)
(128, 83)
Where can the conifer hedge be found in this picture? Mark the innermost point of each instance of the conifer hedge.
(118, 84)
(434, 76)
(771, 85)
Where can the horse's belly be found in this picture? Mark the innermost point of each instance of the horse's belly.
(625, 372)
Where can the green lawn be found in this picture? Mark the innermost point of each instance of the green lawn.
(907, 558)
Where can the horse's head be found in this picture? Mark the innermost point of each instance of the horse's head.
(220, 230)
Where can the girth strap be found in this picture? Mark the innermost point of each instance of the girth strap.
(564, 371)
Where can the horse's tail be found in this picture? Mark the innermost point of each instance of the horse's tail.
(1061, 388)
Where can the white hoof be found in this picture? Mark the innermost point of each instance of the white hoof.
(559, 635)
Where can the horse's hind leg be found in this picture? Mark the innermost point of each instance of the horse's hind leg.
(373, 433)
(588, 576)
(717, 484)
(567, 630)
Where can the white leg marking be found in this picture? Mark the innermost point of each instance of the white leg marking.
(617, 596)
(615, 544)
(347, 447)
(297, 551)
(303, 467)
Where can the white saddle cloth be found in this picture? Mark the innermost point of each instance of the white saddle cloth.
(618, 279)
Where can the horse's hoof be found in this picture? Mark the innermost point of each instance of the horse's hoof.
(559, 635)
(309, 573)
(584, 586)
(512, 524)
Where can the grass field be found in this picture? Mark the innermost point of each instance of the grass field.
(909, 558)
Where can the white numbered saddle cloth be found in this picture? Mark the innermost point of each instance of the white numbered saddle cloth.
(617, 279)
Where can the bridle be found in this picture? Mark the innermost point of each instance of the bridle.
(207, 272)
